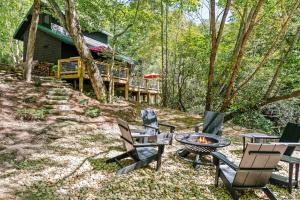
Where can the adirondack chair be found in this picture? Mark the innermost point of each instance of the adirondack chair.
(291, 136)
(213, 123)
(254, 170)
(141, 153)
(151, 125)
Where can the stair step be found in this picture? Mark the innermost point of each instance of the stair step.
(60, 112)
(52, 97)
(55, 102)
(59, 92)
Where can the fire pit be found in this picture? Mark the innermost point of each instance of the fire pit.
(199, 144)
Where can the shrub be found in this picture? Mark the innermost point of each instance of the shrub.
(37, 82)
(29, 114)
(30, 99)
(93, 112)
(253, 120)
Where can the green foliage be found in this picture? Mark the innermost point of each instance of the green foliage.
(54, 68)
(37, 82)
(29, 114)
(93, 112)
(30, 99)
(253, 120)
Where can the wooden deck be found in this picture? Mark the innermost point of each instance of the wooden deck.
(139, 89)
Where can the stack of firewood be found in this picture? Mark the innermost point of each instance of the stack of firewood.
(42, 69)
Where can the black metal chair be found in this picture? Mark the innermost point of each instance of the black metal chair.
(141, 153)
(151, 125)
(291, 134)
(213, 123)
(254, 170)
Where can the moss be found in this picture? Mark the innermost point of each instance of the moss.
(34, 164)
(39, 191)
(8, 157)
(30, 114)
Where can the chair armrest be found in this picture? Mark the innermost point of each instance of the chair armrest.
(148, 145)
(223, 158)
(290, 159)
(198, 126)
(148, 126)
(137, 131)
(138, 135)
(172, 127)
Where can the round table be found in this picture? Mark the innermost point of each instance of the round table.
(189, 140)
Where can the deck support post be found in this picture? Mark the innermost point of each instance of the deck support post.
(126, 91)
(81, 74)
(113, 88)
(155, 99)
(148, 98)
(138, 96)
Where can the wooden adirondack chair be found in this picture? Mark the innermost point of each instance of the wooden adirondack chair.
(254, 171)
(141, 153)
(151, 125)
(213, 123)
(291, 134)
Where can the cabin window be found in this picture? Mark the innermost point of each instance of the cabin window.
(46, 19)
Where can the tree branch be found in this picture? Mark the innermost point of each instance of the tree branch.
(132, 23)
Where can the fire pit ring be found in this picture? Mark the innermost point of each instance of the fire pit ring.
(199, 144)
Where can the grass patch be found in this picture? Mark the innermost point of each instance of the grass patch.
(30, 114)
(39, 191)
(93, 112)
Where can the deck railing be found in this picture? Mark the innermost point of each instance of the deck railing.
(74, 68)
(144, 83)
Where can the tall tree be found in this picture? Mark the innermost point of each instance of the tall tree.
(31, 39)
(215, 42)
(70, 21)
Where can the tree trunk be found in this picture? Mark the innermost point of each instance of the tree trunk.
(111, 76)
(237, 62)
(281, 63)
(31, 39)
(215, 41)
(12, 51)
(70, 21)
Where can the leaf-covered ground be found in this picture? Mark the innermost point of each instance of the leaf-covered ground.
(63, 157)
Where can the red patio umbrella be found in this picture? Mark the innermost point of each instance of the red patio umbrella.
(151, 76)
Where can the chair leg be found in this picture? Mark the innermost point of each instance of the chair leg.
(268, 192)
(291, 168)
(233, 193)
(136, 165)
(297, 175)
(159, 155)
(118, 157)
(217, 176)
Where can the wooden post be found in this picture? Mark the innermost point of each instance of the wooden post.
(126, 91)
(148, 98)
(81, 73)
(155, 99)
(58, 68)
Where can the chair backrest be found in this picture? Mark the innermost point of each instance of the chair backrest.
(126, 134)
(257, 164)
(291, 133)
(150, 119)
(213, 122)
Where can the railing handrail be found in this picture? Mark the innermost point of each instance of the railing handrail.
(139, 81)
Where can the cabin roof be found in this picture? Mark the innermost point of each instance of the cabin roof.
(91, 43)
